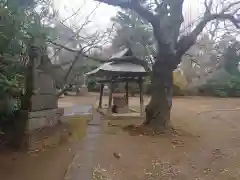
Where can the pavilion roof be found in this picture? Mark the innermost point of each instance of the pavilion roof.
(124, 52)
(122, 64)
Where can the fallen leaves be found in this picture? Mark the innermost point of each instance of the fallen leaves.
(162, 170)
(217, 153)
(100, 174)
(178, 142)
(117, 155)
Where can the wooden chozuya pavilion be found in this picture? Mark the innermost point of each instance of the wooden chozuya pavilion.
(122, 67)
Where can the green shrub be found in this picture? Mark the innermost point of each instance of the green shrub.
(10, 94)
(229, 87)
(93, 86)
(177, 91)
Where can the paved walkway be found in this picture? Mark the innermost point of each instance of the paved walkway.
(82, 165)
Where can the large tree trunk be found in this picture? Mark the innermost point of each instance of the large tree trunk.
(159, 108)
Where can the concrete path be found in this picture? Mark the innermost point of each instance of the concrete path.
(82, 165)
(78, 109)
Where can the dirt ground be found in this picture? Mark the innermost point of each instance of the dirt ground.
(205, 145)
(51, 164)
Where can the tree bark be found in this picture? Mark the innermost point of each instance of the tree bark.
(159, 108)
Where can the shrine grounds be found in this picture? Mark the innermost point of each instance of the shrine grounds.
(205, 144)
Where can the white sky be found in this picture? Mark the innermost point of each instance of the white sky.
(101, 17)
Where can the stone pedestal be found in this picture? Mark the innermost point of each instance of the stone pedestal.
(121, 104)
(43, 129)
(46, 118)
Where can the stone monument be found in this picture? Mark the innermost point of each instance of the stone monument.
(43, 114)
(83, 90)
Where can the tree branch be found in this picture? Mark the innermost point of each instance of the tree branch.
(208, 6)
(133, 5)
(76, 34)
(229, 7)
(158, 4)
(187, 41)
(78, 51)
(64, 47)
(74, 14)
(69, 73)
(155, 20)
(191, 59)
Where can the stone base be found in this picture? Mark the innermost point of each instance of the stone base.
(45, 118)
(125, 116)
(121, 103)
(122, 110)
(43, 129)
(39, 140)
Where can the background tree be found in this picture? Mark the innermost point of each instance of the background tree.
(20, 21)
(225, 81)
(198, 58)
(232, 58)
(166, 18)
(73, 46)
(134, 32)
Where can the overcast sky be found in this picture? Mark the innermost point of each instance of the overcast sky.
(101, 17)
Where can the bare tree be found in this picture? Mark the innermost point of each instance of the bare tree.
(73, 46)
(80, 54)
(166, 18)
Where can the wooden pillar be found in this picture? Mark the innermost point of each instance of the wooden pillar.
(141, 96)
(110, 99)
(127, 92)
(101, 95)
